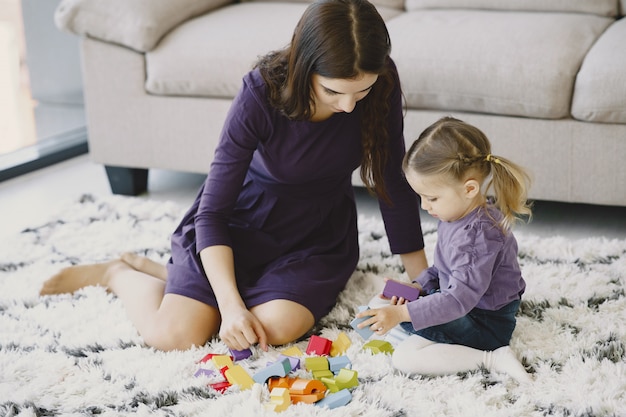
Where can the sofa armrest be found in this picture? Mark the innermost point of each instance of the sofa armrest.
(137, 24)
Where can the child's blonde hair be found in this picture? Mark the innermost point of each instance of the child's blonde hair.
(458, 151)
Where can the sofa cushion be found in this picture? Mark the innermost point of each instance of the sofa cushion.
(518, 64)
(394, 4)
(599, 7)
(208, 56)
(137, 24)
(600, 90)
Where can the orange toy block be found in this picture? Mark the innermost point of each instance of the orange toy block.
(318, 346)
(307, 398)
(280, 382)
(302, 386)
(307, 391)
(279, 400)
(236, 375)
(340, 345)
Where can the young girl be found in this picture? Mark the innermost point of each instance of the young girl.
(466, 314)
(272, 239)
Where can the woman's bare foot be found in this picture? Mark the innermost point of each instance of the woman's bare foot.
(145, 265)
(76, 277)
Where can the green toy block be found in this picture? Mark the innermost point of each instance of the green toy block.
(379, 346)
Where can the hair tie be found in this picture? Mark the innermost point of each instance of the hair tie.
(491, 158)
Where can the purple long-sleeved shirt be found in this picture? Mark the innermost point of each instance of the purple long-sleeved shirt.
(475, 265)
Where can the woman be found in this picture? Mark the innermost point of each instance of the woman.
(271, 239)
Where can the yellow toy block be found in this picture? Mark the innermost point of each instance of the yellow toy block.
(236, 375)
(340, 345)
(279, 400)
(293, 351)
(221, 361)
(316, 363)
(379, 346)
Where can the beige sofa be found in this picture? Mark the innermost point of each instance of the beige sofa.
(545, 79)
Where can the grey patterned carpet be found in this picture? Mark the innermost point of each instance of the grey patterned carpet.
(78, 355)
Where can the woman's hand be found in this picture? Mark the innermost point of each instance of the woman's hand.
(240, 329)
(385, 318)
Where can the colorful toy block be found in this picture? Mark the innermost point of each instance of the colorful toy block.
(379, 346)
(340, 345)
(282, 382)
(239, 355)
(294, 362)
(316, 363)
(220, 386)
(323, 373)
(236, 375)
(277, 369)
(279, 400)
(318, 346)
(335, 364)
(210, 356)
(293, 351)
(335, 400)
(204, 372)
(345, 379)
(365, 332)
(399, 289)
(300, 386)
(221, 361)
(307, 398)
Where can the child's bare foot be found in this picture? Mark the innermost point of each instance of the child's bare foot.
(145, 265)
(76, 277)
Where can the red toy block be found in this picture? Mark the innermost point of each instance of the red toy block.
(319, 346)
(220, 386)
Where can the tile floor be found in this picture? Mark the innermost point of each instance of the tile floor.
(30, 199)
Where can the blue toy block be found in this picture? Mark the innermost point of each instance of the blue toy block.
(335, 400)
(277, 369)
(295, 362)
(399, 289)
(337, 363)
(365, 332)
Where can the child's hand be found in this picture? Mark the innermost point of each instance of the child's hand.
(385, 318)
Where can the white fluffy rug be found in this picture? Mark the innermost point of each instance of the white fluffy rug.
(79, 355)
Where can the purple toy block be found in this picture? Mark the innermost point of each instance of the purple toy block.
(398, 289)
(204, 372)
(239, 355)
(295, 362)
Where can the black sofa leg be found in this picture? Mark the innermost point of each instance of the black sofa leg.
(127, 181)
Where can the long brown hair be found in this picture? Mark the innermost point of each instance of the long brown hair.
(340, 39)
